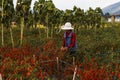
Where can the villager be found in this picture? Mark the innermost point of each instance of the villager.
(69, 39)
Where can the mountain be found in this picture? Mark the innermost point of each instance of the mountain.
(113, 9)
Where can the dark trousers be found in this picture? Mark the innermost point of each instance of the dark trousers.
(73, 53)
(78, 57)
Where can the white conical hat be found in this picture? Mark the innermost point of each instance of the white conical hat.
(67, 26)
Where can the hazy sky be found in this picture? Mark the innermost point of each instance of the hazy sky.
(83, 4)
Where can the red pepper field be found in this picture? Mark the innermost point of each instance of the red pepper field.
(40, 58)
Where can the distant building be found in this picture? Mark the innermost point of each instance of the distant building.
(114, 12)
(114, 18)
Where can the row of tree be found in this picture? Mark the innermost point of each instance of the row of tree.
(45, 13)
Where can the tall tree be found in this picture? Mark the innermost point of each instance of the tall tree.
(22, 10)
(50, 18)
(78, 18)
(98, 17)
(2, 30)
(9, 11)
(43, 13)
(37, 11)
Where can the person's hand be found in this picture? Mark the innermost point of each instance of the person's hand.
(64, 48)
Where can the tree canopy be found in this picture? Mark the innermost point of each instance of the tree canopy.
(45, 12)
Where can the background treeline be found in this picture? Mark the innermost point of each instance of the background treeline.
(45, 16)
(45, 13)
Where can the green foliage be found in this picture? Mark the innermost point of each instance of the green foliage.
(101, 40)
(46, 13)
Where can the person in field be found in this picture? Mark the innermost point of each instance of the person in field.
(69, 39)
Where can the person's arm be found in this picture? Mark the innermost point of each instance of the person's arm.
(73, 41)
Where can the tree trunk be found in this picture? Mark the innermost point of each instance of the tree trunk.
(47, 25)
(22, 28)
(47, 32)
(39, 32)
(2, 35)
(52, 31)
(11, 37)
(2, 25)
